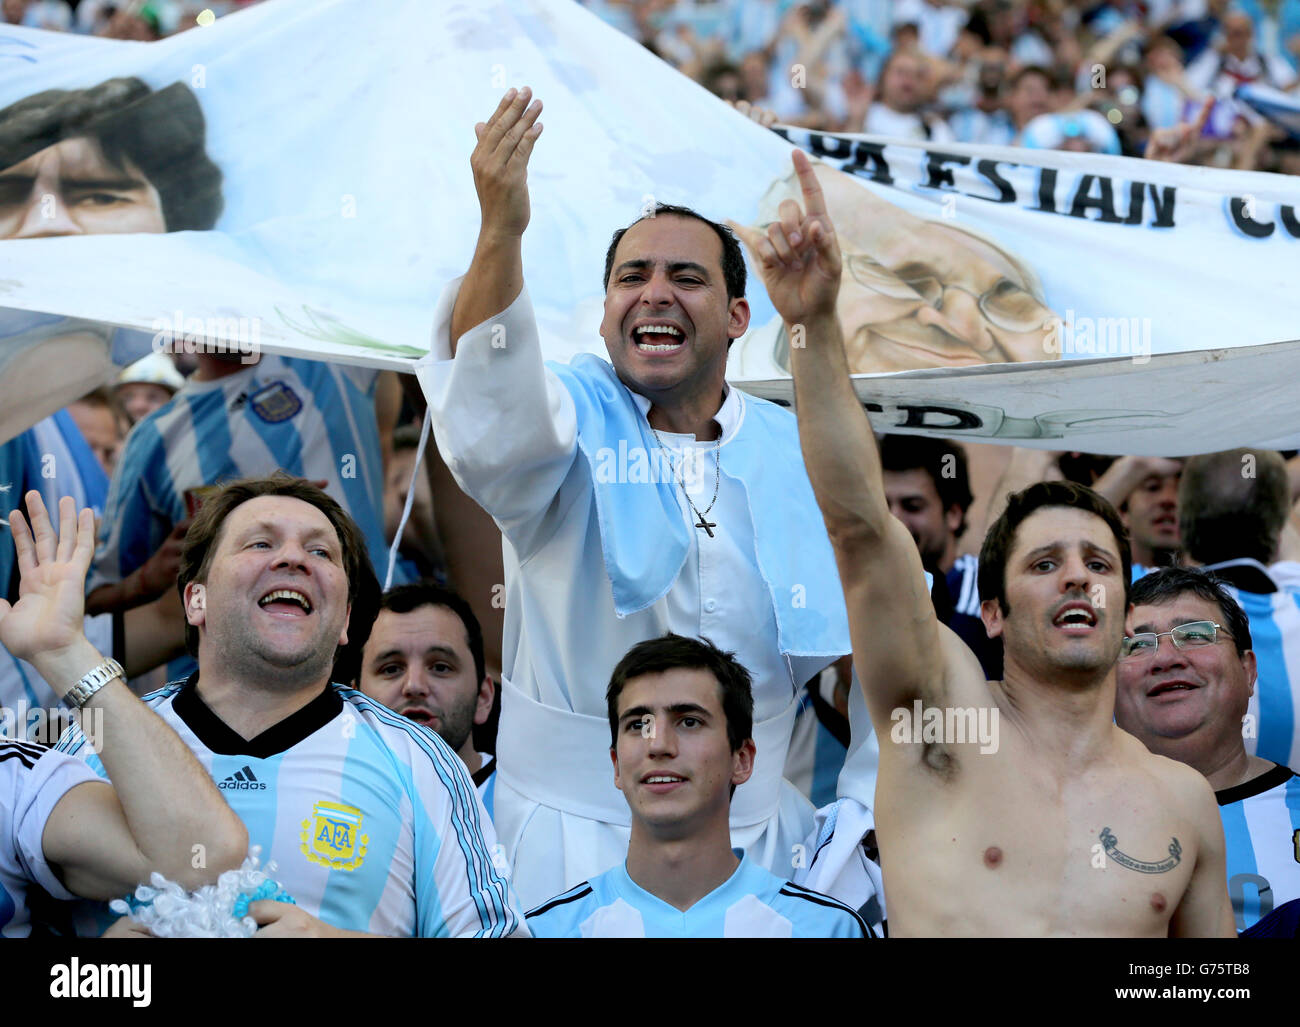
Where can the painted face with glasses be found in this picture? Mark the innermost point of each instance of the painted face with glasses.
(918, 294)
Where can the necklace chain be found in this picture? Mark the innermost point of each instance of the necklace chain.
(717, 479)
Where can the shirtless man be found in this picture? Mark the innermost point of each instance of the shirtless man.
(1067, 827)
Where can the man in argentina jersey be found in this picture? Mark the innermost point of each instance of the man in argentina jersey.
(681, 717)
(60, 827)
(234, 419)
(1232, 507)
(1187, 703)
(424, 659)
(372, 820)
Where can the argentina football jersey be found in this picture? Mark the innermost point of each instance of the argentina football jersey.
(752, 903)
(306, 417)
(32, 781)
(372, 821)
(1261, 828)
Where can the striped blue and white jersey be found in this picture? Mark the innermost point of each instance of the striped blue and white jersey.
(752, 903)
(32, 781)
(485, 780)
(1270, 728)
(372, 821)
(53, 458)
(303, 416)
(816, 754)
(1261, 826)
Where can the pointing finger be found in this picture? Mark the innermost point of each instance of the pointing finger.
(813, 200)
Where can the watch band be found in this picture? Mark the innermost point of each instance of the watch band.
(79, 694)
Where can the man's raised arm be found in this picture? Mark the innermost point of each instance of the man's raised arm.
(163, 812)
(500, 163)
(896, 638)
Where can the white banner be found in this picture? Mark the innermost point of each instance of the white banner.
(295, 178)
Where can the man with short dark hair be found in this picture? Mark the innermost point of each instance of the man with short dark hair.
(635, 496)
(1185, 678)
(680, 717)
(1054, 821)
(371, 821)
(1232, 507)
(424, 659)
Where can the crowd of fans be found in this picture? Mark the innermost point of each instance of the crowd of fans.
(1089, 75)
(149, 452)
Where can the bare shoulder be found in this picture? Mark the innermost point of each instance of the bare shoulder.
(1186, 787)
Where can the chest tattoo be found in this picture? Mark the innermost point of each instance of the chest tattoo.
(1111, 845)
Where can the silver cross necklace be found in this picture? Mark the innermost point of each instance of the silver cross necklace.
(708, 526)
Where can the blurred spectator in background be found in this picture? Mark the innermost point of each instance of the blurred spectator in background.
(1235, 60)
(903, 90)
(927, 487)
(1232, 507)
(1145, 491)
(146, 385)
(103, 425)
(421, 548)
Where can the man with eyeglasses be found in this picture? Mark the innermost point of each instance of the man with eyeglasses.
(1185, 677)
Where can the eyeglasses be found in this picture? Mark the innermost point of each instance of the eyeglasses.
(1192, 635)
(1006, 304)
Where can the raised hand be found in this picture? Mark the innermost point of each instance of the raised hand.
(48, 618)
(799, 257)
(500, 164)
(1180, 142)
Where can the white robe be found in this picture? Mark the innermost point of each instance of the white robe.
(507, 429)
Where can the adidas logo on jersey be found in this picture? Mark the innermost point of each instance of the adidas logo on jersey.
(242, 780)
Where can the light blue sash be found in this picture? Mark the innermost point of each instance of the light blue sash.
(645, 541)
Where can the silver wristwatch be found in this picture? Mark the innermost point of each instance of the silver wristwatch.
(79, 694)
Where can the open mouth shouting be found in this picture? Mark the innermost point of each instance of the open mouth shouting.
(286, 602)
(1076, 618)
(657, 337)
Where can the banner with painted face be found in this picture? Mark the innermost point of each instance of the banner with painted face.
(295, 179)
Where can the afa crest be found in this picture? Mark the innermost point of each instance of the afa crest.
(332, 836)
(275, 402)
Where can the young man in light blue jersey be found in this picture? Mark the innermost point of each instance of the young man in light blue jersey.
(681, 716)
(1185, 678)
(372, 822)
